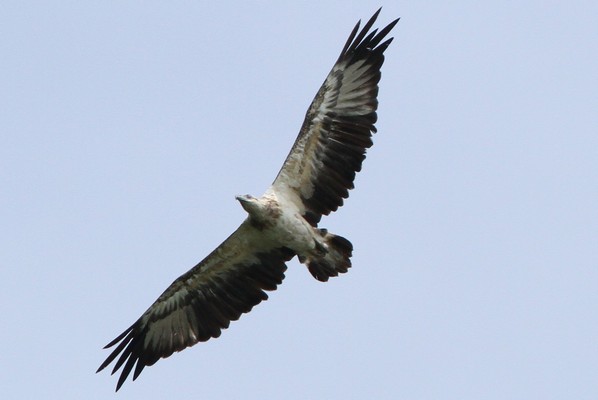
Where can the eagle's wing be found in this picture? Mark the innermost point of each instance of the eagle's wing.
(338, 126)
(196, 306)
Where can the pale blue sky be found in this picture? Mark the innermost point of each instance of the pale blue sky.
(127, 128)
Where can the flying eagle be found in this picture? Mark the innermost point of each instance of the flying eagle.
(313, 181)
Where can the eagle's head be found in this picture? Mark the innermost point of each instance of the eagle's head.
(250, 204)
(262, 212)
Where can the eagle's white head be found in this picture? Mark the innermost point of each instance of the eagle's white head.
(263, 211)
(250, 204)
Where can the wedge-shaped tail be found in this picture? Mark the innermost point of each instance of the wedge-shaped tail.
(335, 259)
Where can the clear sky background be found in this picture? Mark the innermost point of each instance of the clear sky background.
(127, 128)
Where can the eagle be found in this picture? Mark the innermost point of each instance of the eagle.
(314, 180)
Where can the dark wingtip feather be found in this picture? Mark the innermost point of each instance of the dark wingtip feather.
(119, 337)
(366, 28)
(366, 40)
(118, 349)
(357, 36)
(349, 41)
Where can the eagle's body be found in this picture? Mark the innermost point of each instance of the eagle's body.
(278, 222)
(313, 181)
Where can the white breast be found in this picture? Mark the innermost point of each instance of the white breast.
(291, 229)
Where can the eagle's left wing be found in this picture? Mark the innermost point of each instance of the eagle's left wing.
(321, 167)
(202, 302)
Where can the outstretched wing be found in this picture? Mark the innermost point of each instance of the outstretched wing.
(202, 302)
(320, 169)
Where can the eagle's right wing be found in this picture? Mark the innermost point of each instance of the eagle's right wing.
(196, 306)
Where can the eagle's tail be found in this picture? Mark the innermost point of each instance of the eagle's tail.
(334, 258)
